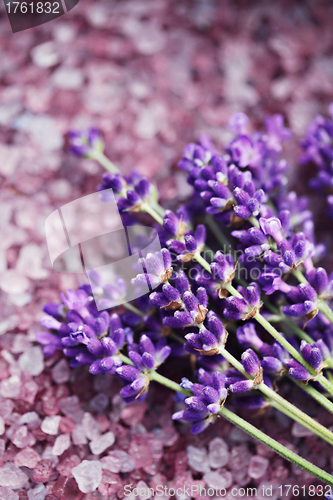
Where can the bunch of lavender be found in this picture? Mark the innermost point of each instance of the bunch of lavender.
(248, 267)
(318, 149)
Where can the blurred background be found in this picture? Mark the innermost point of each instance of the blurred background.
(152, 75)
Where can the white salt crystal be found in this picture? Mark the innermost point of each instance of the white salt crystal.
(13, 282)
(258, 466)
(298, 430)
(78, 435)
(31, 418)
(198, 458)
(61, 444)
(32, 361)
(21, 343)
(12, 476)
(30, 263)
(90, 426)
(218, 453)
(48, 454)
(60, 372)
(67, 77)
(8, 494)
(101, 443)
(218, 481)
(143, 490)
(20, 299)
(50, 425)
(45, 55)
(88, 475)
(127, 464)
(2, 426)
(38, 493)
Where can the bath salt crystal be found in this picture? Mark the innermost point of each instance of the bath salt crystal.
(8, 494)
(127, 464)
(21, 437)
(45, 55)
(71, 407)
(78, 435)
(50, 425)
(12, 477)
(218, 481)
(49, 455)
(99, 402)
(144, 492)
(32, 361)
(21, 343)
(61, 444)
(2, 426)
(198, 458)
(13, 282)
(60, 373)
(90, 426)
(88, 475)
(31, 419)
(38, 493)
(218, 453)
(101, 443)
(11, 387)
(118, 405)
(111, 463)
(298, 430)
(258, 466)
(6, 408)
(27, 457)
(67, 77)
(42, 471)
(30, 263)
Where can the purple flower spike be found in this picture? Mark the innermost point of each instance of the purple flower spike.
(272, 227)
(241, 386)
(297, 371)
(247, 336)
(85, 143)
(305, 302)
(235, 308)
(250, 362)
(271, 365)
(311, 354)
(223, 267)
(207, 400)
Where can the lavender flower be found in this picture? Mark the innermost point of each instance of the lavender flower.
(85, 143)
(145, 357)
(210, 339)
(237, 308)
(207, 400)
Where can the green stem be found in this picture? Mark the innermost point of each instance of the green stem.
(299, 275)
(215, 229)
(273, 331)
(151, 211)
(282, 404)
(248, 428)
(157, 377)
(134, 309)
(254, 221)
(326, 310)
(104, 161)
(318, 396)
(277, 447)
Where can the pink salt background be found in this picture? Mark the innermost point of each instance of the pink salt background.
(152, 75)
